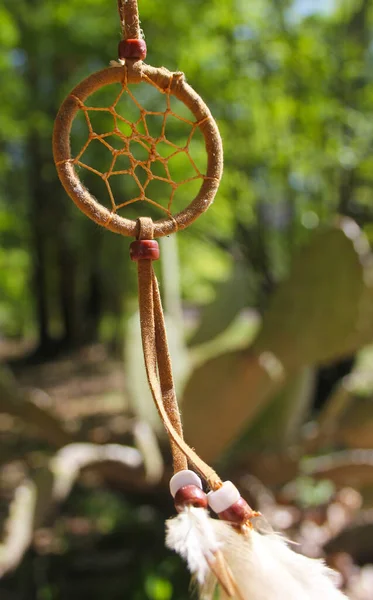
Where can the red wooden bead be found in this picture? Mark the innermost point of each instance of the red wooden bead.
(238, 513)
(144, 249)
(135, 49)
(190, 495)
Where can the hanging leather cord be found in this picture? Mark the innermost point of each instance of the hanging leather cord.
(158, 364)
(129, 19)
(166, 377)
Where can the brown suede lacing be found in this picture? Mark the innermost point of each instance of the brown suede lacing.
(158, 364)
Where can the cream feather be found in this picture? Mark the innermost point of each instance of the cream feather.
(248, 565)
(192, 535)
(265, 568)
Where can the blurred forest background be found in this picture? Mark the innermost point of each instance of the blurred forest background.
(269, 299)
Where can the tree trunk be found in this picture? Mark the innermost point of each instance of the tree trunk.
(39, 253)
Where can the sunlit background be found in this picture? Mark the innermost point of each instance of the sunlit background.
(268, 295)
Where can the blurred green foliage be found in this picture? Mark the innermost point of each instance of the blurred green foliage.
(291, 89)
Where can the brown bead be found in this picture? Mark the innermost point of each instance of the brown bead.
(144, 249)
(238, 513)
(135, 49)
(190, 495)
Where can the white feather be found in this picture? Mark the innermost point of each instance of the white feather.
(192, 535)
(265, 568)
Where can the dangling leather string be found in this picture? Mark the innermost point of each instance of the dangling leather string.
(129, 19)
(166, 377)
(158, 363)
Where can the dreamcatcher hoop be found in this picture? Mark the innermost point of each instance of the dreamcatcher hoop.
(165, 82)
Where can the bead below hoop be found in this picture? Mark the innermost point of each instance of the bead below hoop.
(144, 250)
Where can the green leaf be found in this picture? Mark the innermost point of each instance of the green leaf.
(347, 467)
(314, 316)
(231, 298)
(221, 398)
(355, 428)
(158, 588)
(278, 424)
(8, 31)
(137, 387)
(322, 311)
(171, 298)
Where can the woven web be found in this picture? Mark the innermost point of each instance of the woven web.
(138, 131)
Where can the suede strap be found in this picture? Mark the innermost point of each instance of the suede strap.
(158, 365)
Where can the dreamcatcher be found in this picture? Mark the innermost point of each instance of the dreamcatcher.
(228, 553)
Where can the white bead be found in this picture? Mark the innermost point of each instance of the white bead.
(183, 478)
(224, 497)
